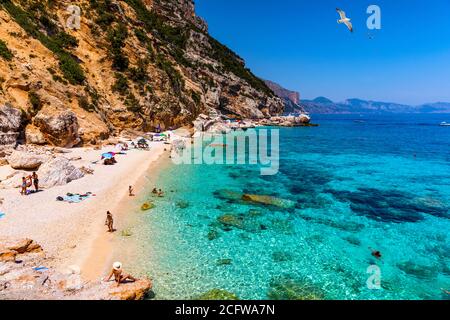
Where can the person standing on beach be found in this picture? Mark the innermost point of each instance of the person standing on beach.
(130, 191)
(24, 187)
(35, 181)
(109, 221)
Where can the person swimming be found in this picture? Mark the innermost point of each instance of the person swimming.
(375, 253)
(155, 191)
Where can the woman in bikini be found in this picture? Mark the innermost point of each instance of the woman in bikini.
(119, 275)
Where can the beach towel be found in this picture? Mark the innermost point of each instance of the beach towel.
(40, 269)
(75, 198)
(2, 215)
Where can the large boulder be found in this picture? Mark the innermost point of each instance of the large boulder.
(132, 291)
(10, 125)
(60, 129)
(58, 171)
(21, 160)
(34, 136)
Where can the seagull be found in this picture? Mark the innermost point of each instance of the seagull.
(344, 19)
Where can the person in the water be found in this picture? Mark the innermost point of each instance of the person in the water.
(376, 253)
(155, 191)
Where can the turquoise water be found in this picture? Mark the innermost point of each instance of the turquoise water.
(382, 183)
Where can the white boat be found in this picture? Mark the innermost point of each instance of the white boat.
(445, 124)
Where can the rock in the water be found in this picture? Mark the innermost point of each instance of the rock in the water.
(268, 200)
(132, 291)
(224, 262)
(10, 125)
(231, 220)
(60, 130)
(58, 172)
(21, 160)
(217, 294)
(287, 288)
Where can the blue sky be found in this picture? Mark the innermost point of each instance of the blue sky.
(299, 44)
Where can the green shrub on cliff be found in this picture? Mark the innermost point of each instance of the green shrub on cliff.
(55, 42)
(4, 51)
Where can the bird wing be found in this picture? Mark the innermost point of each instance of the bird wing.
(341, 13)
(349, 25)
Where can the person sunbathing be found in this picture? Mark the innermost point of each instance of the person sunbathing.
(119, 275)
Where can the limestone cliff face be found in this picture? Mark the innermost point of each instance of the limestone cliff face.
(131, 64)
(291, 98)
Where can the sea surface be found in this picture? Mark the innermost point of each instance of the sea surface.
(354, 185)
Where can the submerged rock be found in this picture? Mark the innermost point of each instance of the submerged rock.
(287, 288)
(279, 256)
(182, 204)
(232, 220)
(213, 235)
(58, 172)
(389, 205)
(268, 200)
(217, 294)
(230, 195)
(419, 271)
(224, 262)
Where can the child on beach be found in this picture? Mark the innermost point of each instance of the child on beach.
(109, 221)
(119, 275)
(23, 191)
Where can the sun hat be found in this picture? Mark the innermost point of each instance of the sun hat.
(117, 265)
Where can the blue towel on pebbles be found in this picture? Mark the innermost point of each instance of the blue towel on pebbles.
(2, 215)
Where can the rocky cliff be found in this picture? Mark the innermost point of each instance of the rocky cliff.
(130, 64)
(291, 98)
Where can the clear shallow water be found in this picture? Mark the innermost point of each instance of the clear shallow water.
(382, 183)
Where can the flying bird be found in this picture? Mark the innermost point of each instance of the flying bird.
(344, 19)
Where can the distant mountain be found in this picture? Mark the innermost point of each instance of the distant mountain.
(291, 98)
(322, 105)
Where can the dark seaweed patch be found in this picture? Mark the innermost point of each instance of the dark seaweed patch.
(388, 205)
